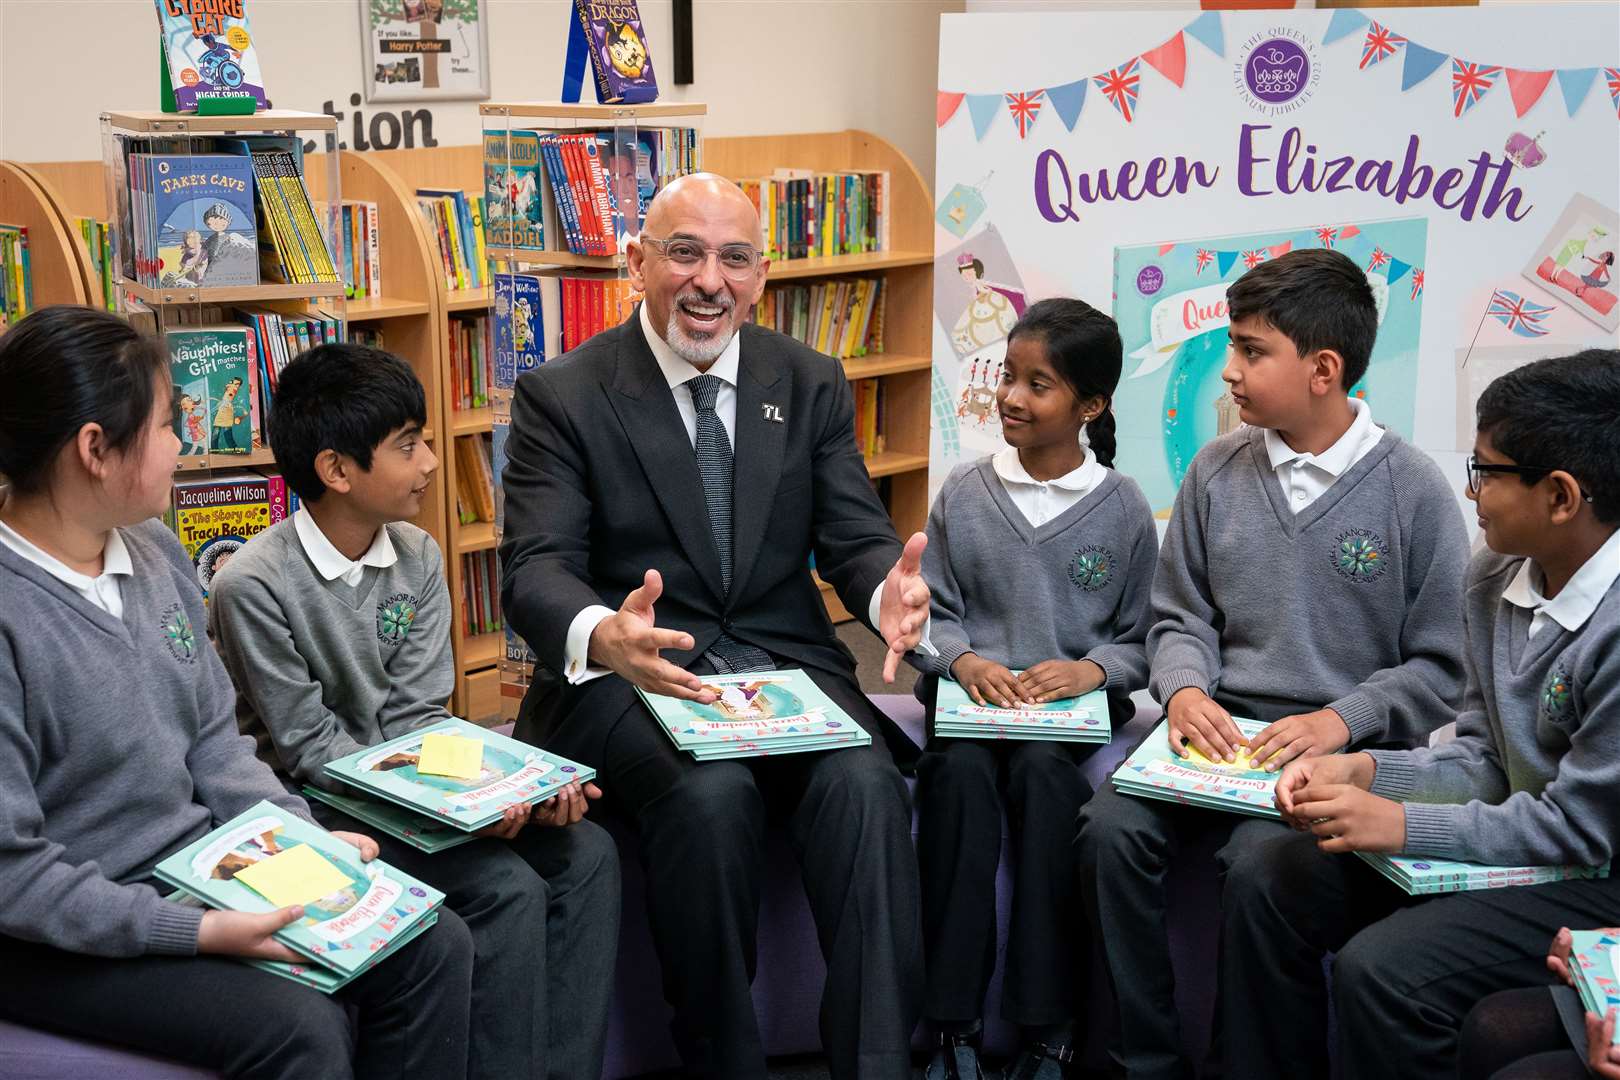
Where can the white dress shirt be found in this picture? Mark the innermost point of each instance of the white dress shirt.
(105, 590)
(1305, 477)
(677, 372)
(1578, 598)
(331, 563)
(1042, 500)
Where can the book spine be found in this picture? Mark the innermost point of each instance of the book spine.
(599, 192)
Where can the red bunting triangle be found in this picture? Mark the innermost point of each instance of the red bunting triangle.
(1281, 249)
(945, 106)
(1170, 59)
(1348, 231)
(1526, 87)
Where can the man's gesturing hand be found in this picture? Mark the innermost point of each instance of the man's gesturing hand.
(627, 643)
(903, 606)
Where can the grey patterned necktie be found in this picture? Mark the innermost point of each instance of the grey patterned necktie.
(715, 467)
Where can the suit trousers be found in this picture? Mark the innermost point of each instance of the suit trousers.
(217, 1012)
(543, 912)
(1408, 969)
(962, 785)
(702, 828)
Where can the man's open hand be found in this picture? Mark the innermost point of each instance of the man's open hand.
(903, 605)
(628, 643)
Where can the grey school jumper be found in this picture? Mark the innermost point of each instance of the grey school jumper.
(1355, 603)
(117, 748)
(1074, 588)
(338, 668)
(1533, 775)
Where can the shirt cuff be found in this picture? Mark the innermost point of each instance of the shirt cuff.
(577, 667)
(925, 644)
(1360, 715)
(1394, 773)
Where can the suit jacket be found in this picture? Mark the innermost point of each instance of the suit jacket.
(602, 484)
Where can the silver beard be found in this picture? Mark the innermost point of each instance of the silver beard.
(698, 351)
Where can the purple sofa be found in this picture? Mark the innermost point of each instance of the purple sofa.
(787, 990)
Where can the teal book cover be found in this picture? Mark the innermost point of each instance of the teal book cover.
(211, 368)
(512, 773)
(1170, 304)
(1154, 771)
(1595, 964)
(347, 929)
(418, 830)
(1085, 715)
(1421, 876)
(512, 180)
(768, 710)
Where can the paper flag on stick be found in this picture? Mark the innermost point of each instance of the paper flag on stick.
(1527, 88)
(1345, 22)
(1067, 100)
(444, 754)
(1575, 82)
(297, 875)
(1207, 29)
(1419, 64)
(1169, 59)
(983, 109)
(945, 106)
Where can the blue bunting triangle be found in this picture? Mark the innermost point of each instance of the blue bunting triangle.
(1420, 64)
(1575, 82)
(1207, 29)
(983, 108)
(1068, 100)
(1345, 22)
(1397, 269)
(1224, 261)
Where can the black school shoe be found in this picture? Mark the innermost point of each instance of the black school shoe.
(1041, 1061)
(957, 1056)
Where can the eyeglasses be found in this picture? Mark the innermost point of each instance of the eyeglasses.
(1477, 471)
(737, 261)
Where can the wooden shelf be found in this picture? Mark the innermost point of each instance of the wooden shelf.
(787, 269)
(467, 299)
(186, 123)
(206, 462)
(481, 651)
(870, 367)
(242, 294)
(479, 536)
(551, 260)
(59, 265)
(471, 421)
(893, 462)
(384, 307)
(606, 114)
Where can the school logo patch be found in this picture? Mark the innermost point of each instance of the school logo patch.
(1556, 700)
(1092, 567)
(1360, 555)
(394, 618)
(175, 626)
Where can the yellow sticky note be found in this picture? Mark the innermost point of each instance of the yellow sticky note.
(295, 876)
(444, 754)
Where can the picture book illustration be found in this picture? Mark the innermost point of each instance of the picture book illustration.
(209, 50)
(512, 190)
(1576, 261)
(519, 345)
(1155, 771)
(618, 48)
(753, 706)
(211, 368)
(203, 208)
(1086, 710)
(1170, 304)
(978, 293)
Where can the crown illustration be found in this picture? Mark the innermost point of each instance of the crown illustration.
(1275, 75)
(964, 260)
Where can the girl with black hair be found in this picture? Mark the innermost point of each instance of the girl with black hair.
(119, 745)
(1041, 559)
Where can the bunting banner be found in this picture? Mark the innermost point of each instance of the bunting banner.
(1025, 108)
(1381, 43)
(1119, 87)
(1469, 82)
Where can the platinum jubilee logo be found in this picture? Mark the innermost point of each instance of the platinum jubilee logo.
(1276, 71)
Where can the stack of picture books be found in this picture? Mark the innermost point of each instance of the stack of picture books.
(458, 223)
(1154, 771)
(362, 268)
(1594, 966)
(16, 275)
(810, 214)
(356, 914)
(452, 773)
(1082, 719)
(842, 317)
(755, 715)
(1420, 876)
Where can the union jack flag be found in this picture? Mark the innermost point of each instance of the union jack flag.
(1517, 314)
(1613, 75)
(1203, 257)
(1381, 44)
(1120, 85)
(1469, 83)
(1417, 283)
(1025, 107)
(1327, 234)
(1378, 259)
(1252, 259)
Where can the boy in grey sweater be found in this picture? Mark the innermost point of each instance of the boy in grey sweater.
(1531, 778)
(1311, 578)
(335, 627)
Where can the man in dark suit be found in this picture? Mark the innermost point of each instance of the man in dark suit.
(689, 460)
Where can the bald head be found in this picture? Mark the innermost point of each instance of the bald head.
(705, 197)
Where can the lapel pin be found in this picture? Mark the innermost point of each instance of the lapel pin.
(772, 412)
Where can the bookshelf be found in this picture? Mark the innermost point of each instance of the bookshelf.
(59, 266)
(900, 470)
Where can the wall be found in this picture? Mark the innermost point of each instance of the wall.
(763, 66)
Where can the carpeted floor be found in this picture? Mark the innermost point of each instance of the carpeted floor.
(869, 653)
